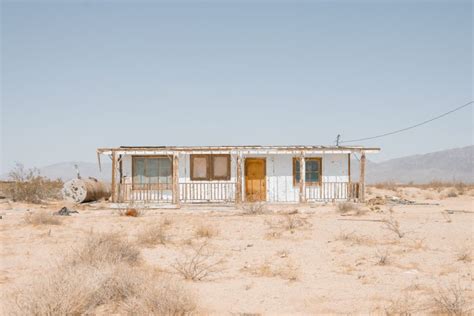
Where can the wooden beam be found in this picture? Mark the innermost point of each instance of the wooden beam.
(302, 179)
(176, 195)
(362, 178)
(114, 170)
(238, 187)
(349, 186)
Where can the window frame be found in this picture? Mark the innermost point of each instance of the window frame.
(308, 183)
(210, 167)
(136, 185)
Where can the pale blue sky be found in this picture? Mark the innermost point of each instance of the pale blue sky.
(77, 76)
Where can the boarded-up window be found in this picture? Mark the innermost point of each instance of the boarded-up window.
(312, 171)
(151, 170)
(210, 167)
(221, 167)
(199, 167)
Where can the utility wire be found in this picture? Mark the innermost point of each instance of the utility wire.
(410, 127)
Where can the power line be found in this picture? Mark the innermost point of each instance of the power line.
(410, 127)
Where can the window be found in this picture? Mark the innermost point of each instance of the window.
(312, 171)
(152, 170)
(210, 167)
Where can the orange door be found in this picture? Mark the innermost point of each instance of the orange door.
(255, 183)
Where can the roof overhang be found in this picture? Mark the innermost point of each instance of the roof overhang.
(255, 150)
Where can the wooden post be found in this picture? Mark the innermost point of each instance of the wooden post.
(302, 179)
(362, 178)
(176, 195)
(238, 186)
(114, 167)
(349, 186)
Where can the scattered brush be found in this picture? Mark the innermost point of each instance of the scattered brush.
(452, 193)
(287, 222)
(206, 231)
(105, 248)
(405, 306)
(451, 301)
(253, 208)
(198, 264)
(391, 186)
(41, 218)
(29, 186)
(154, 234)
(464, 254)
(393, 225)
(353, 238)
(286, 271)
(383, 257)
(346, 207)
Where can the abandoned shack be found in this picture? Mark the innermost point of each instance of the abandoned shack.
(235, 174)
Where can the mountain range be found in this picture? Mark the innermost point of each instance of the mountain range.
(447, 165)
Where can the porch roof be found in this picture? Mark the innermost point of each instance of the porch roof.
(244, 149)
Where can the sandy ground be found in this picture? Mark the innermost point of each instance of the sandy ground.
(327, 263)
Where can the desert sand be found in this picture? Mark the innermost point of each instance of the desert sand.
(292, 259)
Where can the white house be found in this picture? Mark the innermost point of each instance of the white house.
(235, 174)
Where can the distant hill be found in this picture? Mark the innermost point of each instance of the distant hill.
(447, 165)
(66, 170)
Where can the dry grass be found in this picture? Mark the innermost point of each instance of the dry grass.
(391, 186)
(383, 257)
(30, 186)
(198, 264)
(353, 238)
(404, 306)
(206, 231)
(464, 254)
(110, 248)
(346, 207)
(393, 225)
(286, 271)
(154, 234)
(42, 218)
(104, 272)
(253, 208)
(451, 301)
(287, 222)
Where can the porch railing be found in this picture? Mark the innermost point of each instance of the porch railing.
(147, 192)
(207, 192)
(327, 191)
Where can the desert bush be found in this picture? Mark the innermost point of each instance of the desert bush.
(404, 306)
(451, 301)
(287, 271)
(353, 238)
(464, 254)
(382, 256)
(41, 218)
(105, 248)
(80, 289)
(452, 193)
(345, 207)
(131, 212)
(287, 222)
(253, 208)
(393, 225)
(154, 234)
(30, 186)
(391, 186)
(198, 264)
(206, 231)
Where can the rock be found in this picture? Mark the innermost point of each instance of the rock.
(65, 212)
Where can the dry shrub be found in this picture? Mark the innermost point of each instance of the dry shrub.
(464, 254)
(41, 218)
(206, 231)
(288, 222)
(353, 238)
(383, 257)
(154, 234)
(80, 289)
(452, 193)
(391, 186)
(393, 225)
(404, 306)
(30, 186)
(346, 207)
(451, 301)
(199, 263)
(286, 271)
(428, 196)
(105, 248)
(253, 208)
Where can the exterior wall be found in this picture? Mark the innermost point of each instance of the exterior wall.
(279, 180)
(279, 177)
